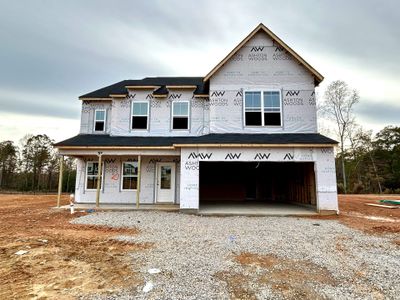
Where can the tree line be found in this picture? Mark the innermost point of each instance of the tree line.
(34, 166)
(365, 163)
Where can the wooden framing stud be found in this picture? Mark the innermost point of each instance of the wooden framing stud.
(99, 180)
(138, 181)
(60, 178)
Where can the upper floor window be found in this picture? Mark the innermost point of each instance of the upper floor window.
(99, 120)
(180, 115)
(140, 115)
(92, 175)
(262, 108)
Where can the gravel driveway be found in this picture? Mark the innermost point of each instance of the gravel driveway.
(255, 257)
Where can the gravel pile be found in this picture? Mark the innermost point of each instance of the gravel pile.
(190, 250)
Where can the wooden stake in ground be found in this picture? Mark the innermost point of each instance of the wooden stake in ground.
(60, 177)
(99, 179)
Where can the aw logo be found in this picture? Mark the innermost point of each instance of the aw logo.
(195, 155)
(154, 160)
(257, 49)
(149, 96)
(311, 100)
(217, 93)
(288, 156)
(110, 160)
(130, 96)
(175, 96)
(281, 54)
(232, 156)
(155, 103)
(326, 150)
(125, 103)
(238, 100)
(262, 156)
(293, 93)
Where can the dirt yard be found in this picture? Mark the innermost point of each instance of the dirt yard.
(66, 260)
(370, 219)
(63, 260)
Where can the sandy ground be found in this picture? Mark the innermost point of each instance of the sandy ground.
(65, 261)
(370, 219)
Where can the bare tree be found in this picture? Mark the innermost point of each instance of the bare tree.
(338, 106)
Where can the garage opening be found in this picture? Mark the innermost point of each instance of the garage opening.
(258, 183)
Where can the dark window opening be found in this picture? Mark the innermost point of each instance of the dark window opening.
(180, 123)
(272, 119)
(99, 126)
(139, 122)
(253, 119)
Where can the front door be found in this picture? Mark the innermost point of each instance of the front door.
(165, 183)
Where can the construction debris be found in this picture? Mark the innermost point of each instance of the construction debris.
(395, 202)
(148, 287)
(21, 252)
(380, 205)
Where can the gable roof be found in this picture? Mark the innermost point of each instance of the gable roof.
(318, 77)
(160, 83)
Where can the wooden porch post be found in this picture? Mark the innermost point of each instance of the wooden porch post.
(99, 180)
(138, 181)
(60, 178)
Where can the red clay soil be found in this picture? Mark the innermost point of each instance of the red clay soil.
(63, 260)
(371, 219)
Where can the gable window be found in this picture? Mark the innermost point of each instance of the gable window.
(129, 175)
(140, 115)
(180, 115)
(92, 175)
(262, 108)
(99, 120)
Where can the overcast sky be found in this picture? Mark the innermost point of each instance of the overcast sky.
(53, 51)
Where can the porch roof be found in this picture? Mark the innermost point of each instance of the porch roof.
(209, 140)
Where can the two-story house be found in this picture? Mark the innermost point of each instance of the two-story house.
(244, 133)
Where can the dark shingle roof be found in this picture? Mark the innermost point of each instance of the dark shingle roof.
(93, 140)
(119, 87)
(161, 91)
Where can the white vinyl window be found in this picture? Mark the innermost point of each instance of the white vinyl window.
(262, 108)
(180, 115)
(129, 175)
(100, 120)
(140, 115)
(92, 175)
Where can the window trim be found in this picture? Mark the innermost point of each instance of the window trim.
(148, 116)
(94, 120)
(86, 175)
(262, 108)
(122, 176)
(172, 115)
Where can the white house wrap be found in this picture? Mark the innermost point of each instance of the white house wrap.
(246, 132)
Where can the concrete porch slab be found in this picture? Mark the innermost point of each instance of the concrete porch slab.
(123, 207)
